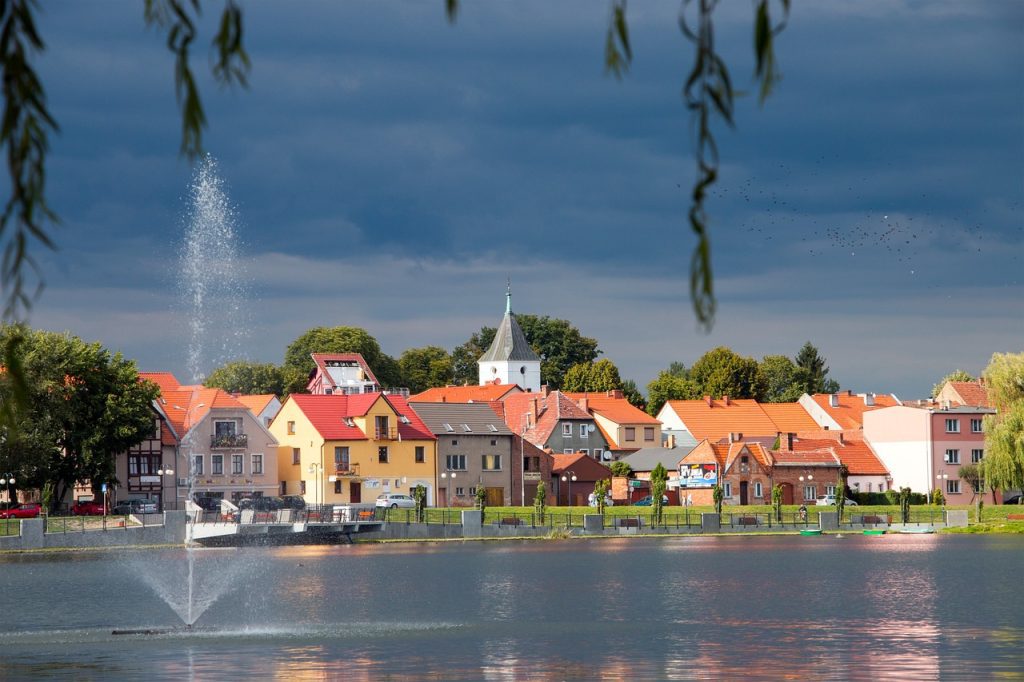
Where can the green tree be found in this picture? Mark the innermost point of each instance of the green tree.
(592, 377)
(678, 369)
(419, 494)
(814, 373)
(780, 378)
(298, 361)
(658, 478)
(481, 499)
(722, 372)
(426, 367)
(955, 375)
(667, 387)
(620, 468)
(717, 495)
(83, 407)
(600, 493)
(1004, 431)
(540, 501)
(247, 378)
(777, 502)
(464, 357)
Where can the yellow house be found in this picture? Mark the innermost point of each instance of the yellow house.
(348, 449)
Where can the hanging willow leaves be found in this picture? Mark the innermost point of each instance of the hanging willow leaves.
(617, 53)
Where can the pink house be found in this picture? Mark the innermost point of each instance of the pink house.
(924, 444)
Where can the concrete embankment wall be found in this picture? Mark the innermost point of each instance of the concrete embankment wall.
(170, 532)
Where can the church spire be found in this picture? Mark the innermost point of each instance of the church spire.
(508, 296)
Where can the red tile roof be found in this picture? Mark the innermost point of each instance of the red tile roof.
(856, 453)
(618, 410)
(716, 419)
(186, 406)
(465, 394)
(585, 467)
(789, 417)
(850, 412)
(971, 393)
(327, 414)
(550, 409)
(724, 454)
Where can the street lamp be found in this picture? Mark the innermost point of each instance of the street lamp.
(445, 476)
(942, 477)
(568, 477)
(8, 483)
(166, 471)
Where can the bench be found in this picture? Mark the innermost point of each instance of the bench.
(1015, 517)
(870, 519)
(510, 521)
(747, 520)
(365, 515)
(628, 522)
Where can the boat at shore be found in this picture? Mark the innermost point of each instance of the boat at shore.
(874, 531)
(923, 530)
(810, 531)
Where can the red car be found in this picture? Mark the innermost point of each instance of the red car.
(28, 510)
(87, 508)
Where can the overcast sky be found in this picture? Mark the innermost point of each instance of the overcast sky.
(389, 171)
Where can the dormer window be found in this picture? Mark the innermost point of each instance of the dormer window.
(449, 428)
(465, 427)
(492, 427)
(349, 421)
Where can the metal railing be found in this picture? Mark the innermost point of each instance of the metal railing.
(231, 440)
(81, 524)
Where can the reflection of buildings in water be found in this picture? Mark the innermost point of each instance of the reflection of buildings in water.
(497, 596)
(298, 664)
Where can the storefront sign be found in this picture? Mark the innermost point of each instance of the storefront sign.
(698, 475)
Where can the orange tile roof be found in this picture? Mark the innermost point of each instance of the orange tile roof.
(850, 412)
(724, 454)
(618, 410)
(789, 417)
(714, 419)
(186, 406)
(856, 453)
(585, 467)
(465, 394)
(256, 403)
(550, 409)
(972, 393)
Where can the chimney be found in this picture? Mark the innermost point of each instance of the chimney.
(869, 399)
(841, 441)
(789, 441)
(735, 437)
(583, 404)
(833, 400)
(534, 409)
(725, 399)
(617, 393)
(544, 390)
(670, 442)
(444, 398)
(707, 399)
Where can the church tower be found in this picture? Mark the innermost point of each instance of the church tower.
(510, 360)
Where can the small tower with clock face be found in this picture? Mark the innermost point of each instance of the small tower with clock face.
(510, 360)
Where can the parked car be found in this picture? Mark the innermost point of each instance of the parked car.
(827, 500)
(264, 503)
(649, 500)
(293, 502)
(394, 500)
(88, 508)
(208, 503)
(26, 510)
(135, 505)
(1016, 499)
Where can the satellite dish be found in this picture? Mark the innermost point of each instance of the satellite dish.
(590, 428)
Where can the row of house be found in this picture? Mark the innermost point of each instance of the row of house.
(348, 440)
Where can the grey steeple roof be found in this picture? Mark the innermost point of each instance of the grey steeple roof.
(509, 343)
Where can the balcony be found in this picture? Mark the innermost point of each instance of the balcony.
(229, 440)
(386, 434)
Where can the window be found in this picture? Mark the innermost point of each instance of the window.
(567, 430)
(337, 486)
(597, 453)
(952, 426)
(585, 451)
(382, 454)
(494, 442)
(421, 454)
(257, 464)
(491, 462)
(830, 490)
(341, 460)
(728, 489)
(197, 465)
(977, 455)
(976, 425)
(810, 492)
(584, 432)
(459, 492)
(649, 435)
(758, 490)
(381, 424)
(217, 465)
(225, 429)
(567, 451)
(291, 428)
(455, 462)
(448, 427)
(466, 428)
(455, 441)
(472, 491)
(236, 465)
(296, 455)
(952, 456)
(953, 486)
(631, 433)
(284, 487)
(302, 487)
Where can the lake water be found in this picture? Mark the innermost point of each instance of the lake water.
(898, 607)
